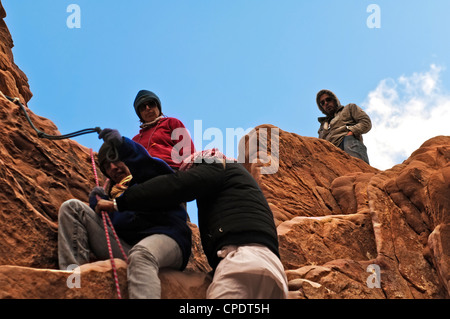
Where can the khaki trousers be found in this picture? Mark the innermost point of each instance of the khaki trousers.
(248, 272)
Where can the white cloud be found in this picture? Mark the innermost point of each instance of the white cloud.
(405, 113)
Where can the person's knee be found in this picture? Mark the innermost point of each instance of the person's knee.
(68, 208)
(141, 255)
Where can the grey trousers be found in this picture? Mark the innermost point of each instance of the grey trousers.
(355, 148)
(81, 233)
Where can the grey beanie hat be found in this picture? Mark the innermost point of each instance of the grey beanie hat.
(144, 96)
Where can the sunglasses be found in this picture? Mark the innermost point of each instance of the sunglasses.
(149, 104)
(327, 100)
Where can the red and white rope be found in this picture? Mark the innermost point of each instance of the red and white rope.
(106, 221)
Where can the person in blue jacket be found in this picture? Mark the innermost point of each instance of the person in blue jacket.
(152, 239)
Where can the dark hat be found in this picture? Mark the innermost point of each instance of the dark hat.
(154, 166)
(145, 96)
(103, 156)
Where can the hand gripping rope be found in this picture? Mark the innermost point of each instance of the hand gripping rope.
(106, 221)
(105, 216)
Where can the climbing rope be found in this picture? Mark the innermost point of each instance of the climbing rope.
(106, 221)
(41, 134)
(112, 155)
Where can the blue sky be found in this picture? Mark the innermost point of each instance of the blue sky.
(239, 64)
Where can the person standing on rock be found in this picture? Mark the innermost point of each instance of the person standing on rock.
(343, 126)
(152, 239)
(236, 225)
(163, 137)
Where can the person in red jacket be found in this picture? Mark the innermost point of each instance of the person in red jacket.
(163, 137)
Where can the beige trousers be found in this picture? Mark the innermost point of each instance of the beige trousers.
(248, 272)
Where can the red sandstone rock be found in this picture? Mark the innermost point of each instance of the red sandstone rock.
(336, 215)
(332, 209)
(94, 281)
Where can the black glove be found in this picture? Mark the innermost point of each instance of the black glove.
(111, 136)
(93, 199)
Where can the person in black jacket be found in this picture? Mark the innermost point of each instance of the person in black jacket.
(236, 225)
(151, 238)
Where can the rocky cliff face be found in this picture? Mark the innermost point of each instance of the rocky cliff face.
(341, 222)
(346, 230)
